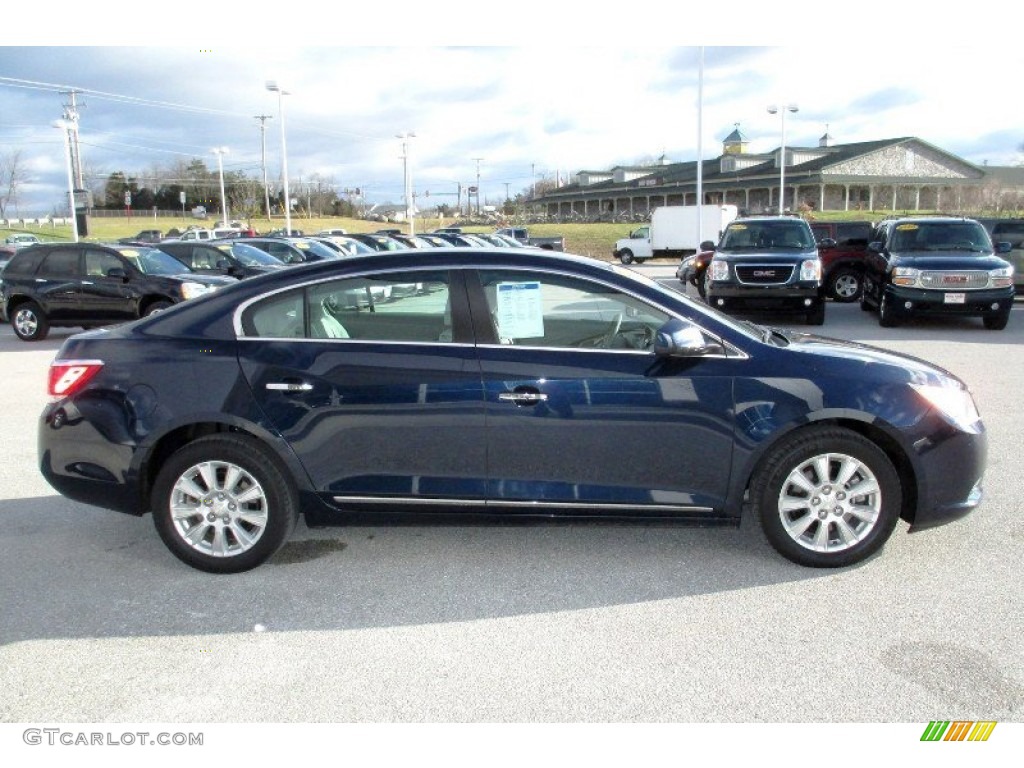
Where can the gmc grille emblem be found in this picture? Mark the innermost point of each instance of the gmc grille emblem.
(764, 273)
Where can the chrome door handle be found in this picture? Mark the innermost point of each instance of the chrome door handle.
(289, 386)
(523, 398)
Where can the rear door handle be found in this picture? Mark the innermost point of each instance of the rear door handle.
(523, 398)
(289, 386)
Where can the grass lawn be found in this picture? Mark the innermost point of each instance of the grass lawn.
(595, 240)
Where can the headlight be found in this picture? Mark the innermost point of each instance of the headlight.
(954, 402)
(192, 290)
(1001, 278)
(905, 276)
(811, 270)
(719, 270)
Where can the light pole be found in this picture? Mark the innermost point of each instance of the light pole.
(220, 152)
(281, 93)
(263, 155)
(772, 110)
(409, 215)
(65, 128)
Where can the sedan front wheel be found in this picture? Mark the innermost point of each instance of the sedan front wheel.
(827, 497)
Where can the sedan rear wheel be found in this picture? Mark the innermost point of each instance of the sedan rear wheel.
(827, 497)
(222, 505)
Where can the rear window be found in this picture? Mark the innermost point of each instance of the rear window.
(24, 263)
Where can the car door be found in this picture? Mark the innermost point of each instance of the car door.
(106, 297)
(581, 415)
(58, 284)
(379, 400)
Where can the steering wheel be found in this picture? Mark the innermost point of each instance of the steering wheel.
(611, 332)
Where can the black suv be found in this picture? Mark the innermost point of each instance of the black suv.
(222, 257)
(767, 263)
(937, 265)
(84, 284)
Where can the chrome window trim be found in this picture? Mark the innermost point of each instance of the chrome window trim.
(733, 353)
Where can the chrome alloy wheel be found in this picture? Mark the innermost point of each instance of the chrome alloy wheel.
(25, 322)
(846, 287)
(219, 509)
(830, 502)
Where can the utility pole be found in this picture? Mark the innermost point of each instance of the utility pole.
(478, 159)
(71, 117)
(263, 154)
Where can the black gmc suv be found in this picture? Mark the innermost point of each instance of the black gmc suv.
(85, 284)
(937, 265)
(767, 263)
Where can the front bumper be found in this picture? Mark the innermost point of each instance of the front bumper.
(945, 495)
(991, 301)
(793, 297)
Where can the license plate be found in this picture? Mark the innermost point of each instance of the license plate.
(955, 298)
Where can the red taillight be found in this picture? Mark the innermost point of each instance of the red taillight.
(69, 376)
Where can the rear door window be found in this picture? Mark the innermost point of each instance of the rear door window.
(61, 264)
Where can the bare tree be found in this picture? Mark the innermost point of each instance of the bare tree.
(12, 175)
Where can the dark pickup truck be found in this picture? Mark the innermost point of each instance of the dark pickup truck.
(556, 243)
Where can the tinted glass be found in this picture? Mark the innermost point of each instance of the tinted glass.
(938, 236)
(60, 264)
(23, 264)
(150, 261)
(768, 235)
(249, 256)
(278, 317)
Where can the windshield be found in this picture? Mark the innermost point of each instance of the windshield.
(151, 261)
(250, 256)
(768, 235)
(939, 236)
(319, 250)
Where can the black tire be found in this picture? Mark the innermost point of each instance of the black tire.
(845, 285)
(702, 284)
(157, 306)
(30, 322)
(887, 317)
(813, 535)
(817, 315)
(626, 256)
(248, 511)
(996, 322)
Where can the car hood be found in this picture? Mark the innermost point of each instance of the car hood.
(901, 367)
(194, 277)
(765, 257)
(944, 261)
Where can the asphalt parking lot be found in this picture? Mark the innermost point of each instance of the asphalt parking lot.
(568, 623)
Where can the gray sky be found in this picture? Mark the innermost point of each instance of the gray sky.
(584, 94)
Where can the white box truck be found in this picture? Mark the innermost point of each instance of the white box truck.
(673, 232)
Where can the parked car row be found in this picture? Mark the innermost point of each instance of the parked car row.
(901, 267)
(87, 284)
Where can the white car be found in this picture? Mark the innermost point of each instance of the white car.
(21, 239)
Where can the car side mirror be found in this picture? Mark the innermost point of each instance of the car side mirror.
(827, 242)
(707, 245)
(678, 338)
(117, 272)
(875, 247)
(1004, 247)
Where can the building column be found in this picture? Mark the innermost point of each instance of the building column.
(821, 197)
(894, 198)
(917, 198)
(871, 197)
(847, 204)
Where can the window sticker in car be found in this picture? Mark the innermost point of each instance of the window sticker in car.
(906, 227)
(736, 227)
(225, 248)
(519, 312)
(302, 246)
(131, 254)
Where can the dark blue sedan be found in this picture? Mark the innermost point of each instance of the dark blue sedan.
(503, 385)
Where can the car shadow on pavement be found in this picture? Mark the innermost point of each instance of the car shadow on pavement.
(74, 571)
